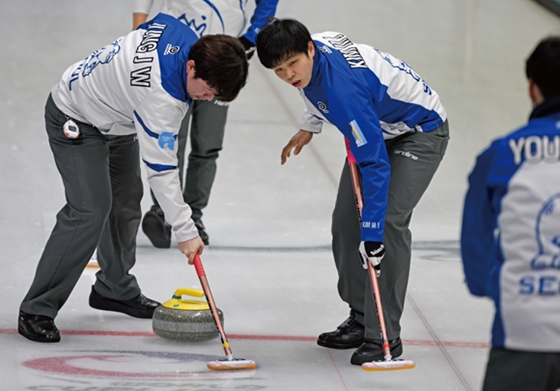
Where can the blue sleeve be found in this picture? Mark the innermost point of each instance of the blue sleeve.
(264, 10)
(356, 117)
(479, 223)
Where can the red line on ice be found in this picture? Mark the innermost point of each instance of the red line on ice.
(293, 338)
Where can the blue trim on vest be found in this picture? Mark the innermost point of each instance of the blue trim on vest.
(159, 167)
(148, 131)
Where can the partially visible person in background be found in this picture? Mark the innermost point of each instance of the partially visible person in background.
(510, 239)
(208, 117)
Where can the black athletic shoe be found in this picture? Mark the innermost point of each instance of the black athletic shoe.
(138, 307)
(372, 351)
(156, 229)
(350, 334)
(202, 232)
(37, 328)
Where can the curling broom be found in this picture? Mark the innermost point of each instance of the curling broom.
(389, 363)
(229, 363)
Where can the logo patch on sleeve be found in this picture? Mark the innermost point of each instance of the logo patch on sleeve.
(170, 49)
(166, 140)
(357, 133)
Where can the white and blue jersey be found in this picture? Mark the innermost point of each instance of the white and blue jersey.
(138, 84)
(216, 16)
(370, 96)
(510, 240)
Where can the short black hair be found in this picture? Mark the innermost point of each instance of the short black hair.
(543, 66)
(221, 62)
(281, 39)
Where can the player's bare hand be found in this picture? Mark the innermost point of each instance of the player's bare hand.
(191, 247)
(296, 143)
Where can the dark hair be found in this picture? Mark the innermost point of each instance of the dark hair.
(221, 62)
(543, 66)
(280, 39)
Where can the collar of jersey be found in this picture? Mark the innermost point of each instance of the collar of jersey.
(318, 69)
(546, 108)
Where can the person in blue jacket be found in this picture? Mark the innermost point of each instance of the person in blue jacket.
(398, 133)
(510, 239)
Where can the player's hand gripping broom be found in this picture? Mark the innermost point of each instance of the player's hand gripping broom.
(388, 363)
(229, 362)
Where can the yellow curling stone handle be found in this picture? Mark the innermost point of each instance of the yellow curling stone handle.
(178, 303)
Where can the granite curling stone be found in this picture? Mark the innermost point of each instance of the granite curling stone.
(185, 320)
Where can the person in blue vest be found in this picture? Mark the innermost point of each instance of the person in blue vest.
(510, 238)
(398, 133)
(123, 104)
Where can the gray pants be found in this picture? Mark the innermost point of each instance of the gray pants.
(103, 188)
(410, 176)
(207, 136)
(511, 370)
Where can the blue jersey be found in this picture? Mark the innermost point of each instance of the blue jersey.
(510, 240)
(370, 96)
